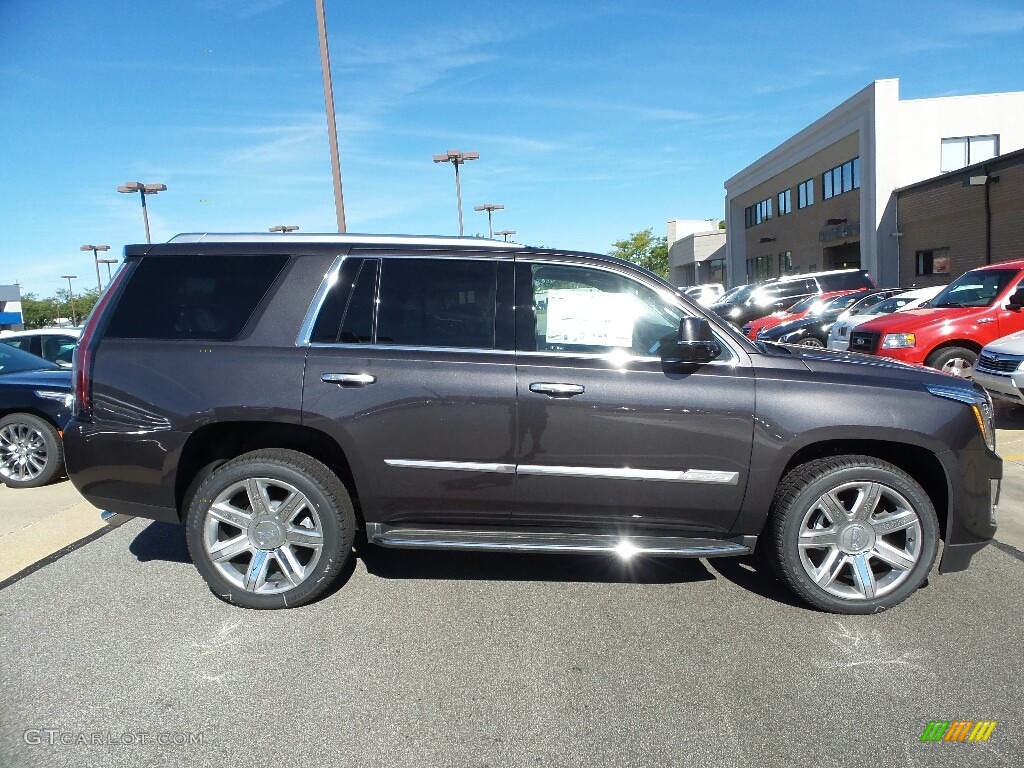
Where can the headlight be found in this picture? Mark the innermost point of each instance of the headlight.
(65, 397)
(1021, 366)
(980, 403)
(899, 340)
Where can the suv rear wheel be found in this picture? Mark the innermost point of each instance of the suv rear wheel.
(270, 529)
(852, 534)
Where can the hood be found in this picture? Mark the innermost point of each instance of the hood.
(914, 319)
(56, 379)
(850, 366)
(783, 329)
(1008, 345)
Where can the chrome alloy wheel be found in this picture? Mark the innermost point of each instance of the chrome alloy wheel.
(959, 366)
(23, 453)
(263, 535)
(860, 540)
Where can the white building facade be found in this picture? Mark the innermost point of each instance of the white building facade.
(825, 198)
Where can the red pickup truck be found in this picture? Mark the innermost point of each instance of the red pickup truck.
(973, 310)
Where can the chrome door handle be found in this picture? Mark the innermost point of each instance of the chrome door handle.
(552, 389)
(348, 379)
(985, 320)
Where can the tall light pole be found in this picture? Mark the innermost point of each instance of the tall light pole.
(506, 233)
(71, 296)
(108, 262)
(332, 127)
(457, 158)
(96, 258)
(143, 190)
(490, 208)
(282, 228)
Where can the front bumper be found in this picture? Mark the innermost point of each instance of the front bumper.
(1005, 387)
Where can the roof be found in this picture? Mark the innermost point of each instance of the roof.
(340, 239)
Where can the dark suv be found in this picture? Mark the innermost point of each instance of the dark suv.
(275, 394)
(759, 299)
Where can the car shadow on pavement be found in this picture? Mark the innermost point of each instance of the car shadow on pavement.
(748, 573)
(161, 541)
(166, 542)
(1009, 415)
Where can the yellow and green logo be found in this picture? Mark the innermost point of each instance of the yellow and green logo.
(958, 730)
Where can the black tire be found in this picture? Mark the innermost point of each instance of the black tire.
(958, 361)
(283, 550)
(31, 451)
(879, 556)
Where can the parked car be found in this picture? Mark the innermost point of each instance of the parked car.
(839, 335)
(810, 306)
(783, 292)
(972, 311)
(705, 294)
(275, 394)
(1000, 368)
(812, 330)
(35, 405)
(54, 344)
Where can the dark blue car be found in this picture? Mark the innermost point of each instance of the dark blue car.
(35, 406)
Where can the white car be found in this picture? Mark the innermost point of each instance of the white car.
(1000, 368)
(839, 336)
(53, 344)
(705, 294)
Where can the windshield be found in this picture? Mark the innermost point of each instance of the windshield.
(868, 304)
(14, 361)
(806, 304)
(975, 289)
(738, 294)
(891, 305)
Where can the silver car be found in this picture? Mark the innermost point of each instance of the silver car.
(1000, 368)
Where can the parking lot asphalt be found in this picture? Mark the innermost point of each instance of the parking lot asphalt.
(456, 659)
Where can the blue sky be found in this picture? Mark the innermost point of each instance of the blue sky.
(592, 120)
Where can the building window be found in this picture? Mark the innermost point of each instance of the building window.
(966, 150)
(755, 214)
(785, 201)
(842, 178)
(805, 194)
(717, 268)
(933, 262)
(759, 268)
(786, 263)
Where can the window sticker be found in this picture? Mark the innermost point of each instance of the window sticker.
(590, 318)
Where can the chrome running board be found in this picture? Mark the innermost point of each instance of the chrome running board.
(555, 541)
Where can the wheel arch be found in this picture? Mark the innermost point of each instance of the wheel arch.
(918, 462)
(946, 344)
(214, 444)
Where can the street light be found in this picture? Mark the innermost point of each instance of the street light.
(490, 208)
(108, 262)
(457, 158)
(506, 233)
(71, 295)
(143, 190)
(282, 228)
(96, 258)
(332, 127)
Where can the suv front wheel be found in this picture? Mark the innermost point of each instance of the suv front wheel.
(852, 534)
(270, 529)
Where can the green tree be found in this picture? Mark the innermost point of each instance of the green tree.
(84, 302)
(645, 249)
(38, 313)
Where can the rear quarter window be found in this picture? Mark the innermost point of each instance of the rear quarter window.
(193, 297)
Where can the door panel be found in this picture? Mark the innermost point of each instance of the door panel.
(609, 436)
(424, 410)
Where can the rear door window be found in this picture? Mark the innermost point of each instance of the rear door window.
(346, 316)
(193, 297)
